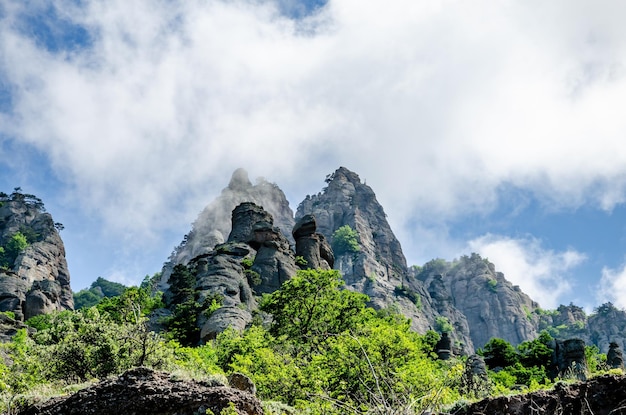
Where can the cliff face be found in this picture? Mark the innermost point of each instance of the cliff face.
(491, 305)
(379, 267)
(35, 277)
(606, 325)
(256, 259)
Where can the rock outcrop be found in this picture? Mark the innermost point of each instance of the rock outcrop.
(602, 395)
(36, 279)
(466, 298)
(605, 326)
(312, 246)
(488, 304)
(213, 225)
(144, 391)
(257, 258)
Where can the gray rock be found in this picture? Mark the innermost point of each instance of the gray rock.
(570, 359)
(38, 281)
(213, 225)
(221, 272)
(242, 382)
(311, 245)
(379, 268)
(615, 358)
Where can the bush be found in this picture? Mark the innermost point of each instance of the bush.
(345, 240)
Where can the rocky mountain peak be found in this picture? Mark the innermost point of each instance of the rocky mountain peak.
(213, 225)
(34, 276)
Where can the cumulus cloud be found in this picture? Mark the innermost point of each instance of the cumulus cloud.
(435, 103)
(612, 286)
(540, 273)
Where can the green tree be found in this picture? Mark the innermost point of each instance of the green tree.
(345, 240)
(536, 352)
(15, 245)
(310, 307)
(499, 353)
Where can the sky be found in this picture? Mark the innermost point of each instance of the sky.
(489, 127)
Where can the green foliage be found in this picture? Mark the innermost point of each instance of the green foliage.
(345, 240)
(442, 325)
(536, 352)
(131, 305)
(253, 277)
(596, 361)
(498, 353)
(14, 246)
(87, 298)
(98, 290)
(247, 262)
(492, 284)
(300, 261)
(311, 306)
(9, 314)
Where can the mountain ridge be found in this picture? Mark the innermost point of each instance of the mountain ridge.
(438, 296)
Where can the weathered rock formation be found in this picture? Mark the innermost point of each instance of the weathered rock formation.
(466, 297)
(9, 328)
(379, 268)
(144, 391)
(35, 280)
(605, 326)
(569, 358)
(256, 259)
(311, 245)
(490, 306)
(214, 223)
(614, 357)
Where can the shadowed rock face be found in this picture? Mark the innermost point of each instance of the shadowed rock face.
(311, 245)
(223, 271)
(38, 281)
(603, 395)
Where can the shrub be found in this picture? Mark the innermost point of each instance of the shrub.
(345, 240)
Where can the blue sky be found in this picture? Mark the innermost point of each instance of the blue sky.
(482, 127)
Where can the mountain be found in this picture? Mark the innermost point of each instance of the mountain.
(34, 278)
(247, 242)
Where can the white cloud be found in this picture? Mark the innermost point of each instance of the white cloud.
(540, 273)
(435, 103)
(613, 287)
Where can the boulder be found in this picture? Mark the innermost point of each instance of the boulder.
(144, 391)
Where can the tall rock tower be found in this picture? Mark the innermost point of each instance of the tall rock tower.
(34, 278)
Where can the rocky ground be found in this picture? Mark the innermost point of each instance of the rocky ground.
(604, 395)
(144, 391)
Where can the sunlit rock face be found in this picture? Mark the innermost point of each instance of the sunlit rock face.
(379, 267)
(490, 305)
(35, 280)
